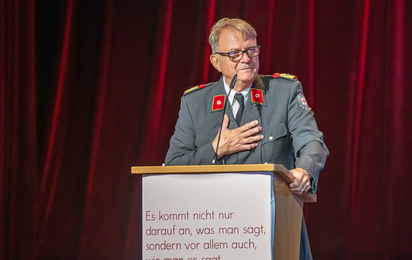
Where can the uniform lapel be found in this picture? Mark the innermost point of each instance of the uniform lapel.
(220, 90)
(251, 113)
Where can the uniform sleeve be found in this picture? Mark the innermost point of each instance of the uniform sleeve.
(182, 150)
(310, 149)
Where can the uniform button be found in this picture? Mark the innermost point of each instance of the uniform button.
(271, 138)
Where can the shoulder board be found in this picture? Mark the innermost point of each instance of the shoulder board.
(190, 90)
(283, 76)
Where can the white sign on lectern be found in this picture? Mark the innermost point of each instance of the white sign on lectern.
(207, 216)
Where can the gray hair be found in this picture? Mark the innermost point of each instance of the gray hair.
(227, 23)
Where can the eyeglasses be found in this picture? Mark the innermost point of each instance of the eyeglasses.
(238, 55)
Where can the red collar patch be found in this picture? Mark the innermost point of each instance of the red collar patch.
(218, 102)
(257, 95)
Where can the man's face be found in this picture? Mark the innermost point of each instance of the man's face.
(246, 68)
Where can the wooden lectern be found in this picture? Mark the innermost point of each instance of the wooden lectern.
(289, 206)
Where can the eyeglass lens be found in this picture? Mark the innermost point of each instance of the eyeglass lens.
(238, 55)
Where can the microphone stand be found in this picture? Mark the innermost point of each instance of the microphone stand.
(231, 86)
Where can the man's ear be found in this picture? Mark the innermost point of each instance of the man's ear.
(215, 62)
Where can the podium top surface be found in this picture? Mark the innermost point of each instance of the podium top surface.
(277, 168)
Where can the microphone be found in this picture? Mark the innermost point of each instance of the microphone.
(231, 86)
(232, 83)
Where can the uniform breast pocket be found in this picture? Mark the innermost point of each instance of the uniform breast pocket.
(276, 144)
(274, 132)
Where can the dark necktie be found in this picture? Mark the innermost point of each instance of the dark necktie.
(240, 99)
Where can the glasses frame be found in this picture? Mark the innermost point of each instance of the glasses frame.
(243, 52)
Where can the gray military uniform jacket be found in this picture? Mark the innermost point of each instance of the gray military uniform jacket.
(289, 127)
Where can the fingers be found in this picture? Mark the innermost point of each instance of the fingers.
(248, 139)
(238, 139)
(248, 146)
(253, 131)
(252, 139)
(250, 129)
(305, 189)
(249, 125)
(301, 184)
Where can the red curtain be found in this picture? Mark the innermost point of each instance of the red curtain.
(91, 88)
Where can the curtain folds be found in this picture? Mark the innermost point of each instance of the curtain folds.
(18, 129)
(90, 88)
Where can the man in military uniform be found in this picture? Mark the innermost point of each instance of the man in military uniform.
(267, 118)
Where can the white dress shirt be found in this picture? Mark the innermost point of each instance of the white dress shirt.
(232, 101)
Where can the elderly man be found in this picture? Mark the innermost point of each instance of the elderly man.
(268, 119)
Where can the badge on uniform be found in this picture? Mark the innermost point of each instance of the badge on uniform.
(257, 95)
(302, 101)
(195, 88)
(218, 102)
(284, 75)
